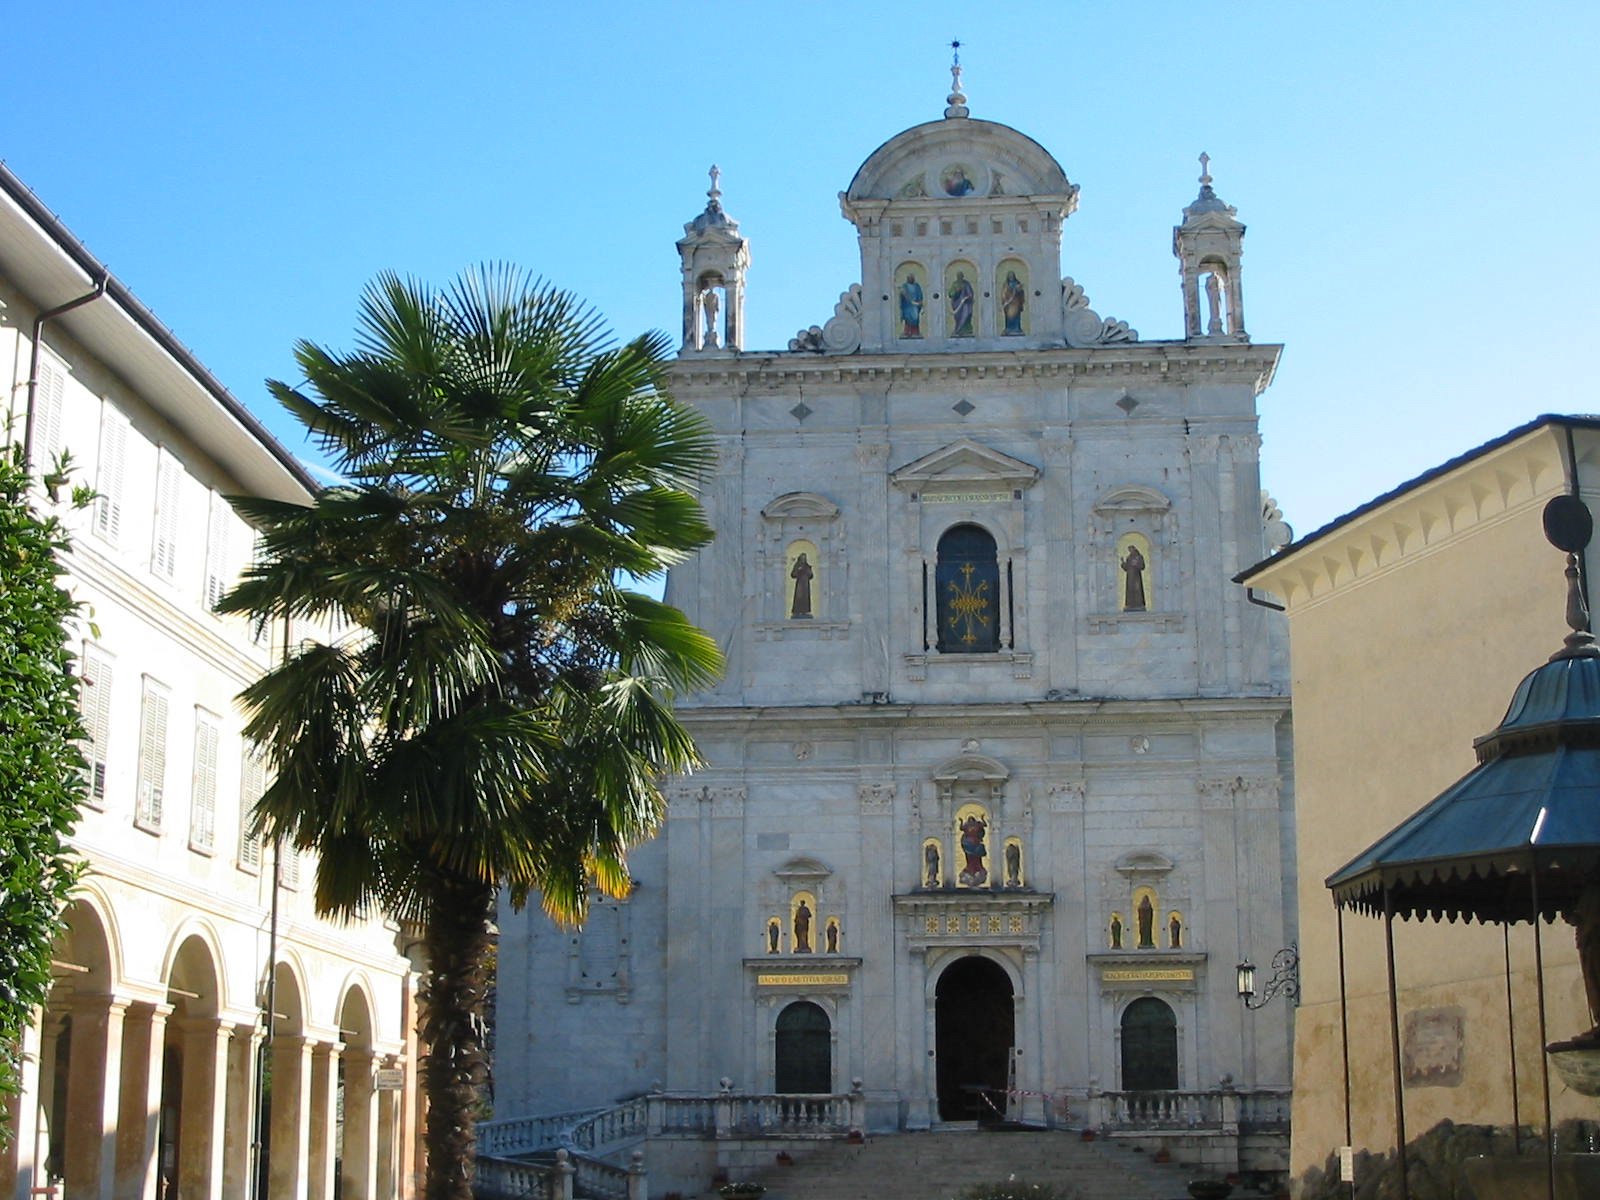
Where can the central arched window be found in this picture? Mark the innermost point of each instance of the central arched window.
(967, 581)
(804, 1050)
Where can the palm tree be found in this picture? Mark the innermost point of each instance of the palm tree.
(501, 716)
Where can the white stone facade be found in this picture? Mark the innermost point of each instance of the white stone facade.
(140, 1078)
(1071, 667)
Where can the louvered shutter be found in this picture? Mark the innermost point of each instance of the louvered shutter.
(108, 477)
(164, 544)
(47, 415)
(150, 791)
(218, 573)
(252, 782)
(203, 793)
(96, 703)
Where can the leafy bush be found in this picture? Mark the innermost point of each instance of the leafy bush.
(41, 768)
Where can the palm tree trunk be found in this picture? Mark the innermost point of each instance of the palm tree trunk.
(454, 1064)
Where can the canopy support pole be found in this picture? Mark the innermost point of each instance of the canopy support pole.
(1344, 1044)
(1544, 1039)
(1511, 1040)
(1394, 1045)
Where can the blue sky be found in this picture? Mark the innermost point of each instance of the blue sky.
(1420, 180)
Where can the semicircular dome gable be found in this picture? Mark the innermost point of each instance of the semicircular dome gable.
(912, 163)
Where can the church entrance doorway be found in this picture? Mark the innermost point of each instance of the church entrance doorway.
(804, 1051)
(1149, 1046)
(974, 1032)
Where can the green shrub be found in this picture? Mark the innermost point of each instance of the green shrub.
(1018, 1189)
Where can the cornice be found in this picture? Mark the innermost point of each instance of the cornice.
(1475, 495)
(1166, 361)
(1185, 712)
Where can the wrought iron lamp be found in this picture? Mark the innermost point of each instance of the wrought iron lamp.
(1285, 979)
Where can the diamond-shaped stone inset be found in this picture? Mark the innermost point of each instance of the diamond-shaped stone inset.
(963, 406)
(1127, 404)
(800, 411)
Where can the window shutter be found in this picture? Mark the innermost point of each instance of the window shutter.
(108, 478)
(47, 410)
(288, 866)
(95, 687)
(219, 577)
(203, 794)
(252, 783)
(164, 545)
(151, 788)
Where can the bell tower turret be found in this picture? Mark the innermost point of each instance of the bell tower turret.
(1209, 245)
(715, 258)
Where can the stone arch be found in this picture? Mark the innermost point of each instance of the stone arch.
(975, 1034)
(182, 948)
(92, 911)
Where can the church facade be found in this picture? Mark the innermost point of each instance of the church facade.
(998, 786)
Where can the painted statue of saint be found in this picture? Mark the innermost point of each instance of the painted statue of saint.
(1133, 585)
(1013, 299)
(833, 937)
(972, 834)
(1147, 924)
(1116, 933)
(800, 606)
(802, 929)
(930, 863)
(1175, 932)
(772, 937)
(961, 299)
(1013, 865)
(911, 308)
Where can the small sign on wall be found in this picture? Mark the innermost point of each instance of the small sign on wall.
(1433, 1047)
(390, 1079)
(1347, 1164)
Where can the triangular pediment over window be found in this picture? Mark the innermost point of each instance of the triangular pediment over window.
(965, 465)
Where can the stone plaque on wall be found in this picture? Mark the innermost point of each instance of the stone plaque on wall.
(1432, 1047)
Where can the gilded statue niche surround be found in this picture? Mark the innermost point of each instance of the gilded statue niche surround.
(802, 568)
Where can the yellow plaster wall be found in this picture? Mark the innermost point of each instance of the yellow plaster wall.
(1393, 677)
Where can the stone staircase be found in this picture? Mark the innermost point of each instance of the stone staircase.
(937, 1164)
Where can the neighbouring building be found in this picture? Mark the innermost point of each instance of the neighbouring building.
(999, 785)
(1412, 620)
(141, 1076)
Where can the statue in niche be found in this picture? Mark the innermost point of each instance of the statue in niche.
(802, 574)
(961, 301)
(1214, 303)
(1175, 932)
(930, 864)
(1133, 567)
(1013, 865)
(1013, 299)
(1116, 932)
(911, 307)
(802, 929)
(1147, 924)
(711, 304)
(973, 830)
(772, 937)
(833, 937)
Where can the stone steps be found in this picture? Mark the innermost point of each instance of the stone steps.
(936, 1165)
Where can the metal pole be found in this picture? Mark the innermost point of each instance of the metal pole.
(261, 1163)
(1344, 1048)
(1511, 1038)
(1394, 1042)
(1544, 1039)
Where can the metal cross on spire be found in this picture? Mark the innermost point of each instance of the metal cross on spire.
(956, 102)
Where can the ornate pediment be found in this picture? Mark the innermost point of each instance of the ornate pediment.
(800, 505)
(972, 766)
(1132, 498)
(965, 465)
(1144, 862)
(803, 870)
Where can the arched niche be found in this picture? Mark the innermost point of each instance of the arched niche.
(961, 286)
(910, 300)
(1012, 299)
(796, 595)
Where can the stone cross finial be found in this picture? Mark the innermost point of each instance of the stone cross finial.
(716, 180)
(1205, 168)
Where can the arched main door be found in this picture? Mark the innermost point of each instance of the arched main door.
(804, 1050)
(974, 1032)
(1149, 1046)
